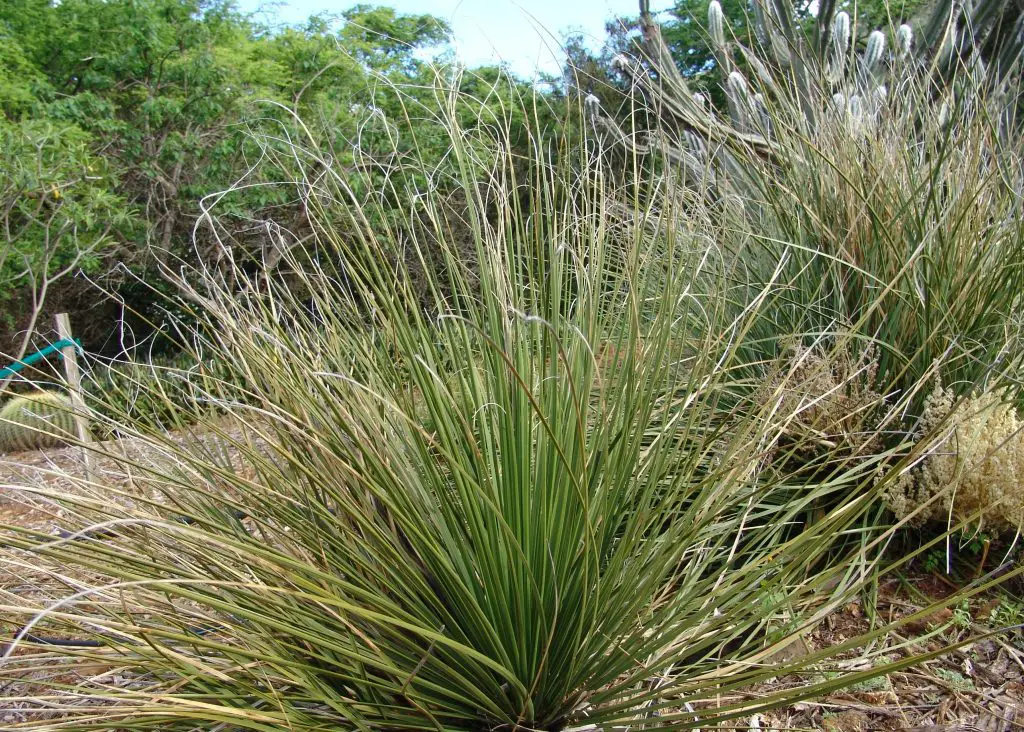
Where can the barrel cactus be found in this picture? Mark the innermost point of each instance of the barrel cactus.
(32, 421)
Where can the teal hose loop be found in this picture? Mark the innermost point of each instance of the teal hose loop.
(40, 355)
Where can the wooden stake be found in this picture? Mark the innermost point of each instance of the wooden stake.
(74, 377)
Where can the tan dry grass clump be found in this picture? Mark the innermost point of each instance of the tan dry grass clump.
(828, 400)
(975, 472)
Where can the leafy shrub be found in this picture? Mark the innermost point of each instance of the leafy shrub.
(58, 213)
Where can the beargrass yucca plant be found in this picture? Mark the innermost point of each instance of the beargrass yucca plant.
(905, 233)
(868, 184)
(530, 503)
(872, 180)
(154, 390)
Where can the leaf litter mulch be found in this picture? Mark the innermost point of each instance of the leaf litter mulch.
(976, 688)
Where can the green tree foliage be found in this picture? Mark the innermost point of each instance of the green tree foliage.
(124, 114)
(58, 201)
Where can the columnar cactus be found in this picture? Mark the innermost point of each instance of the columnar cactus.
(904, 40)
(820, 64)
(739, 105)
(716, 25)
(812, 80)
(836, 66)
(872, 59)
(32, 421)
